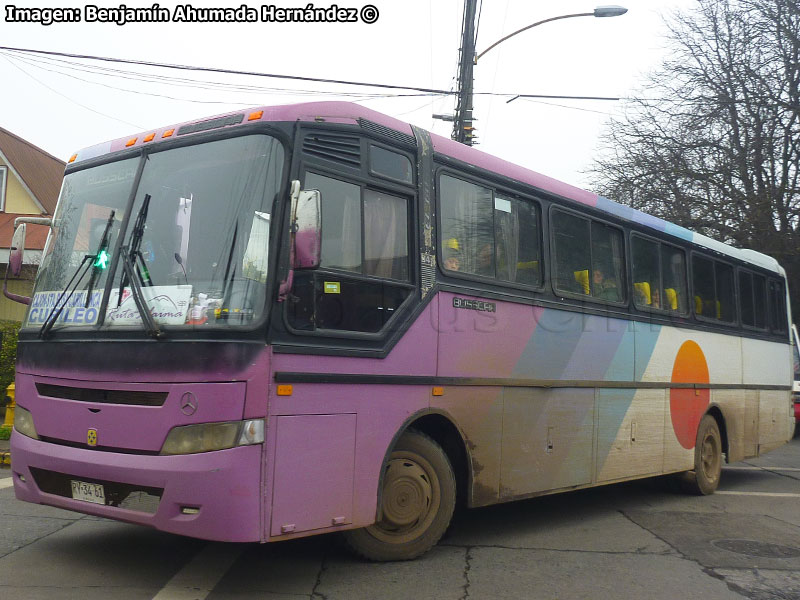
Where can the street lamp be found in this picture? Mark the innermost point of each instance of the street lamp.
(600, 12)
(463, 130)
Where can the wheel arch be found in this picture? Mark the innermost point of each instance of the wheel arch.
(716, 412)
(441, 428)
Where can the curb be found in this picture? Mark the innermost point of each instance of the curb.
(5, 459)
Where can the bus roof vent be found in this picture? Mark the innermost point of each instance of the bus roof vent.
(397, 136)
(341, 148)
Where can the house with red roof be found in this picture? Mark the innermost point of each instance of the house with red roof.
(30, 182)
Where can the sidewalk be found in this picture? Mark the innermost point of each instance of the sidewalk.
(5, 455)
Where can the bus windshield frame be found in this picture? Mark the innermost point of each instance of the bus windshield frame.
(175, 236)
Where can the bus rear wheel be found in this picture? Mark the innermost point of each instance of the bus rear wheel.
(707, 459)
(417, 502)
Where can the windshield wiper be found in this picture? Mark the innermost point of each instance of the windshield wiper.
(133, 252)
(64, 297)
(133, 274)
(129, 272)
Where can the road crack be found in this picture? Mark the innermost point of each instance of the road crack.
(322, 568)
(467, 568)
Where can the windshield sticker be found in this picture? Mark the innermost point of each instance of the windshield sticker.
(169, 305)
(76, 312)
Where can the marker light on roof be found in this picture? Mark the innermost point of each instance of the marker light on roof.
(130, 142)
(73, 158)
(149, 137)
(168, 133)
(255, 116)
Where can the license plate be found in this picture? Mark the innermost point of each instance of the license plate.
(88, 492)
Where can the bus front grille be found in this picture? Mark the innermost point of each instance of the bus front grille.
(139, 398)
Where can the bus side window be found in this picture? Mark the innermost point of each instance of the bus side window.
(673, 275)
(777, 306)
(646, 285)
(760, 300)
(364, 235)
(607, 263)
(703, 286)
(746, 298)
(726, 300)
(753, 299)
(573, 253)
(517, 239)
(467, 237)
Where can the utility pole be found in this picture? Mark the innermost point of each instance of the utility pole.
(463, 130)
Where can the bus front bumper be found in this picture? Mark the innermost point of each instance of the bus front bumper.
(213, 495)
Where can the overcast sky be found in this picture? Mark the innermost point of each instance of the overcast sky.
(64, 106)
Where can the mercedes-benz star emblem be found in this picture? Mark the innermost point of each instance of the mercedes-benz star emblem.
(188, 404)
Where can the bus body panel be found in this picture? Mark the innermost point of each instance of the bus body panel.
(523, 438)
(381, 410)
(328, 476)
(631, 442)
(224, 486)
(127, 427)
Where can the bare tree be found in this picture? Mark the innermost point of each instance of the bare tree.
(714, 143)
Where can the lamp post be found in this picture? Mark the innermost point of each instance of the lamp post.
(462, 121)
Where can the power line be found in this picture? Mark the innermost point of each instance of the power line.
(425, 90)
(179, 81)
(102, 114)
(224, 71)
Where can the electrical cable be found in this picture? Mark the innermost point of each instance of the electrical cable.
(102, 114)
(220, 70)
(423, 90)
(185, 82)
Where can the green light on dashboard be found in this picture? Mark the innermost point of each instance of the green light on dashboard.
(101, 262)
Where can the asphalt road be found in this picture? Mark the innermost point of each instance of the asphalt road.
(634, 540)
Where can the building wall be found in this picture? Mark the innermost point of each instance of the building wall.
(18, 200)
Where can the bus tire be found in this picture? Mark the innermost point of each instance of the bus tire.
(417, 502)
(707, 459)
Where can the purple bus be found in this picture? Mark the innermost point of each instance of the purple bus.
(303, 319)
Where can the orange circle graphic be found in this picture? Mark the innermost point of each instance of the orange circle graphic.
(687, 406)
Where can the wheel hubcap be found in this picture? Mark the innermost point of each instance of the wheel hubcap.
(410, 499)
(710, 457)
(407, 494)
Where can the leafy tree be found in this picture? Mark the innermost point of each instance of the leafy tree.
(713, 144)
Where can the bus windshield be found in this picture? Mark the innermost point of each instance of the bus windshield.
(194, 242)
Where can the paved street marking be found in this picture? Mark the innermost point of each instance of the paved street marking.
(6, 483)
(759, 494)
(196, 580)
(787, 469)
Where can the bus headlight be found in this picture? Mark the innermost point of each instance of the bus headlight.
(23, 422)
(207, 437)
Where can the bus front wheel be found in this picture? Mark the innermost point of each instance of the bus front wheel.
(707, 458)
(417, 502)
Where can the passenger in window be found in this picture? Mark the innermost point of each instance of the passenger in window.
(485, 265)
(603, 288)
(656, 297)
(452, 255)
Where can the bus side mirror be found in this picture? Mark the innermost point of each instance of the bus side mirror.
(307, 229)
(17, 250)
